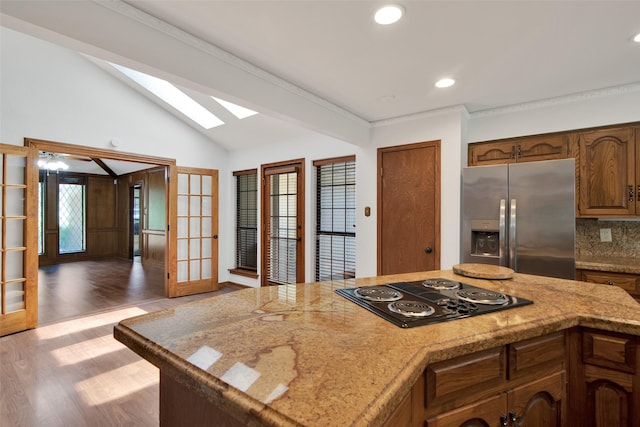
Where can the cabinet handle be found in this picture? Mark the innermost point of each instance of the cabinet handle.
(513, 151)
(503, 421)
(519, 153)
(631, 193)
(513, 419)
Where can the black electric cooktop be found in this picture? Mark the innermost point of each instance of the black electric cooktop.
(425, 302)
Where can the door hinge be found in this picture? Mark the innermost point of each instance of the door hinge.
(168, 275)
(381, 171)
(168, 226)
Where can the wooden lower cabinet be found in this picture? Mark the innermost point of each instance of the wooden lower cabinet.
(519, 384)
(628, 282)
(578, 377)
(483, 413)
(535, 404)
(538, 403)
(604, 387)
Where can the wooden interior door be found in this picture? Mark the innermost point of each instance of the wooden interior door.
(19, 239)
(194, 262)
(409, 208)
(283, 223)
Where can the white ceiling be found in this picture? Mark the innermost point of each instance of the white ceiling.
(335, 71)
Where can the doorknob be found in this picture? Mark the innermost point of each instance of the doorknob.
(428, 250)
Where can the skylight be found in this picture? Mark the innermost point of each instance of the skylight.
(236, 110)
(172, 96)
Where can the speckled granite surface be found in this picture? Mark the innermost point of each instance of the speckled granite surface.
(621, 255)
(615, 264)
(303, 355)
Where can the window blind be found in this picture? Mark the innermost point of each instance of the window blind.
(336, 218)
(246, 220)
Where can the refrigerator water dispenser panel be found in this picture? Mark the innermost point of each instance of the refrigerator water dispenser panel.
(485, 238)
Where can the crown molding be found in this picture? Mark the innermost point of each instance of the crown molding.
(560, 100)
(456, 109)
(150, 21)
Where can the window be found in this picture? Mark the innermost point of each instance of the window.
(71, 215)
(246, 221)
(336, 218)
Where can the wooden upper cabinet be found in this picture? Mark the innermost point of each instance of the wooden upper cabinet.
(607, 184)
(518, 150)
(492, 153)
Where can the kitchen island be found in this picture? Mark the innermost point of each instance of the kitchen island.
(303, 355)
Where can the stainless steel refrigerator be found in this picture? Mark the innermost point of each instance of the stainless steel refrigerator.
(521, 216)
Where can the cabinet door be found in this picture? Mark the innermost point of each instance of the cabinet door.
(609, 402)
(543, 147)
(492, 153)
(607, 172)
(538, 403)
(485, 413)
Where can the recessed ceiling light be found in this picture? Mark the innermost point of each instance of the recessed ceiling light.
(388, 14)
(445, 82)
(637, 38)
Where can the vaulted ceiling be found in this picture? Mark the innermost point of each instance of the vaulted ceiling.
(328, 67)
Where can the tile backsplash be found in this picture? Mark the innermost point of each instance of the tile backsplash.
(625, 238)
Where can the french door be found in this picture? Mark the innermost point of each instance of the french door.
(194, 197)
(18, 239)
(283, 223)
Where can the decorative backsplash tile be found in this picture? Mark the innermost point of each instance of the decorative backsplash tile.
(625, 238)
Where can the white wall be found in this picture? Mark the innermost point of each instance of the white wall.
(54, 94)
(50, 93)
(441, 125)
(446, 126)
(590, 109)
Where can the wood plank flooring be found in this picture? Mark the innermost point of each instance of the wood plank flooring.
(78, 288)
(73, 372)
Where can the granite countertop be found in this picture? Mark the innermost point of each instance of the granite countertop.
(630, 265)
(303, 355)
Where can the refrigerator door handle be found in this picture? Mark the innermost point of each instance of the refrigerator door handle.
(512, 235)
(502, 232)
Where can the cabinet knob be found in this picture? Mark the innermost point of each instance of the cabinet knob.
(428, 250)
(503, 421)
(610, 283)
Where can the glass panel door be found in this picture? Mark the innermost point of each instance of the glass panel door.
(18, 239)
(283, 202)
(196, 236)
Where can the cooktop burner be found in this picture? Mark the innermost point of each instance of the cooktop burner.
(378, 293)
(482, 297)
(409, 304)
(441, 284)
(411, 308)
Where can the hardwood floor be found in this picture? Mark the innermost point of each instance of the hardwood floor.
(73, 372)
(79, 288)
